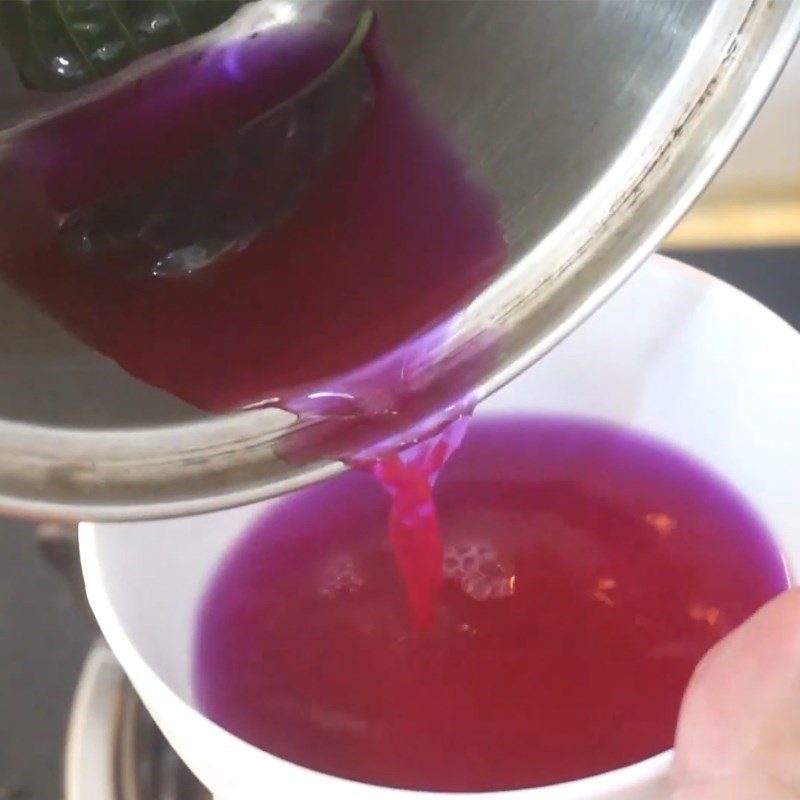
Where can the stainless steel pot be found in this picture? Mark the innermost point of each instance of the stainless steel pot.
(593, 123)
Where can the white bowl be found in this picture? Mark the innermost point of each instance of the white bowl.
(675, 353)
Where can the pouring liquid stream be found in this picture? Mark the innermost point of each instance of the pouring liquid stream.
(409, 477)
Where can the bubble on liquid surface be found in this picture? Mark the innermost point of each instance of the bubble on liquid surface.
(340, 575)
(479, 569)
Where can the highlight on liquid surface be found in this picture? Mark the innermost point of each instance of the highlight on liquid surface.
(585, 573)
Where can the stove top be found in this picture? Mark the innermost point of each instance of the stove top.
(96, 742)
(113, 749)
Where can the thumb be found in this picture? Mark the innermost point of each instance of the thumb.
(739, 729)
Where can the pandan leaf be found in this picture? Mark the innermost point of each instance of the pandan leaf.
(218, 200)
(58, 45)
(98, 33)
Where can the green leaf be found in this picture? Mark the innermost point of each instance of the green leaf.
(153, 24)
(98, 33)
(44, 54)
(219, 199)
(58, 45)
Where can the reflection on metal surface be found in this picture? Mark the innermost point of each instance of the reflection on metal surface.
(754, 201)
(114, 751)
(594, 125)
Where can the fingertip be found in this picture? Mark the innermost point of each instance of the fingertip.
(738, 715)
